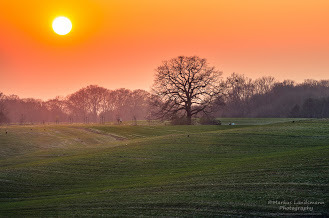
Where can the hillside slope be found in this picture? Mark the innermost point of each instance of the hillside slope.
(164, 170)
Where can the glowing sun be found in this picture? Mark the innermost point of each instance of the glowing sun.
(62, 25)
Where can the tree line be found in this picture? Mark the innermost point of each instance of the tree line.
(266, 97)
(88, 105)
(184, 88)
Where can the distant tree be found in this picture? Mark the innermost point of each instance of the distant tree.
(87, 101)
(325, 107)
(95, 97)
(288, 83)
(238, 92)
(139, 104)
(295, 111)
(316, 107)
(22, 119)
(310, 108)
(324, 83)
(238, 87)
(122, 102)
(32, 108)
(134, 120)
(264, 84)
(56, 109)
(3, 116)
(310, 82)
(185, 86)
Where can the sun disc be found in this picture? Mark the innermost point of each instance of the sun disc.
(62, 25)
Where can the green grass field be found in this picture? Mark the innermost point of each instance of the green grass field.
(97, 170)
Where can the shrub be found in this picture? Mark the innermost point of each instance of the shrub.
(208, 120)
(179, 121)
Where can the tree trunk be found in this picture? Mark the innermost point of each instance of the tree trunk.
(189, 120)
(189, 113)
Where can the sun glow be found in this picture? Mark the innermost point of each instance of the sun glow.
(62, 25)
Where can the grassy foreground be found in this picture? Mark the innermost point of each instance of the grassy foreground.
(93, 170)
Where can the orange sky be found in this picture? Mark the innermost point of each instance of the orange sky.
(119, 43)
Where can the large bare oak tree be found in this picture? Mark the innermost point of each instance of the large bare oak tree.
(185, 86)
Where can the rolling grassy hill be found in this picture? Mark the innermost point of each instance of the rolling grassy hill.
(97, 170)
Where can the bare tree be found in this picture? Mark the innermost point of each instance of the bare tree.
(95, 98)
(238, 87)
(139, 104)
(56, 109)
(77, 104)
(185, 86)
(121, 99)
(238, 92)
(87, 102)
(3, 117)
(264, 84)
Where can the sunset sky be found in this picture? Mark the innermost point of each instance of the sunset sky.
(119, 43)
